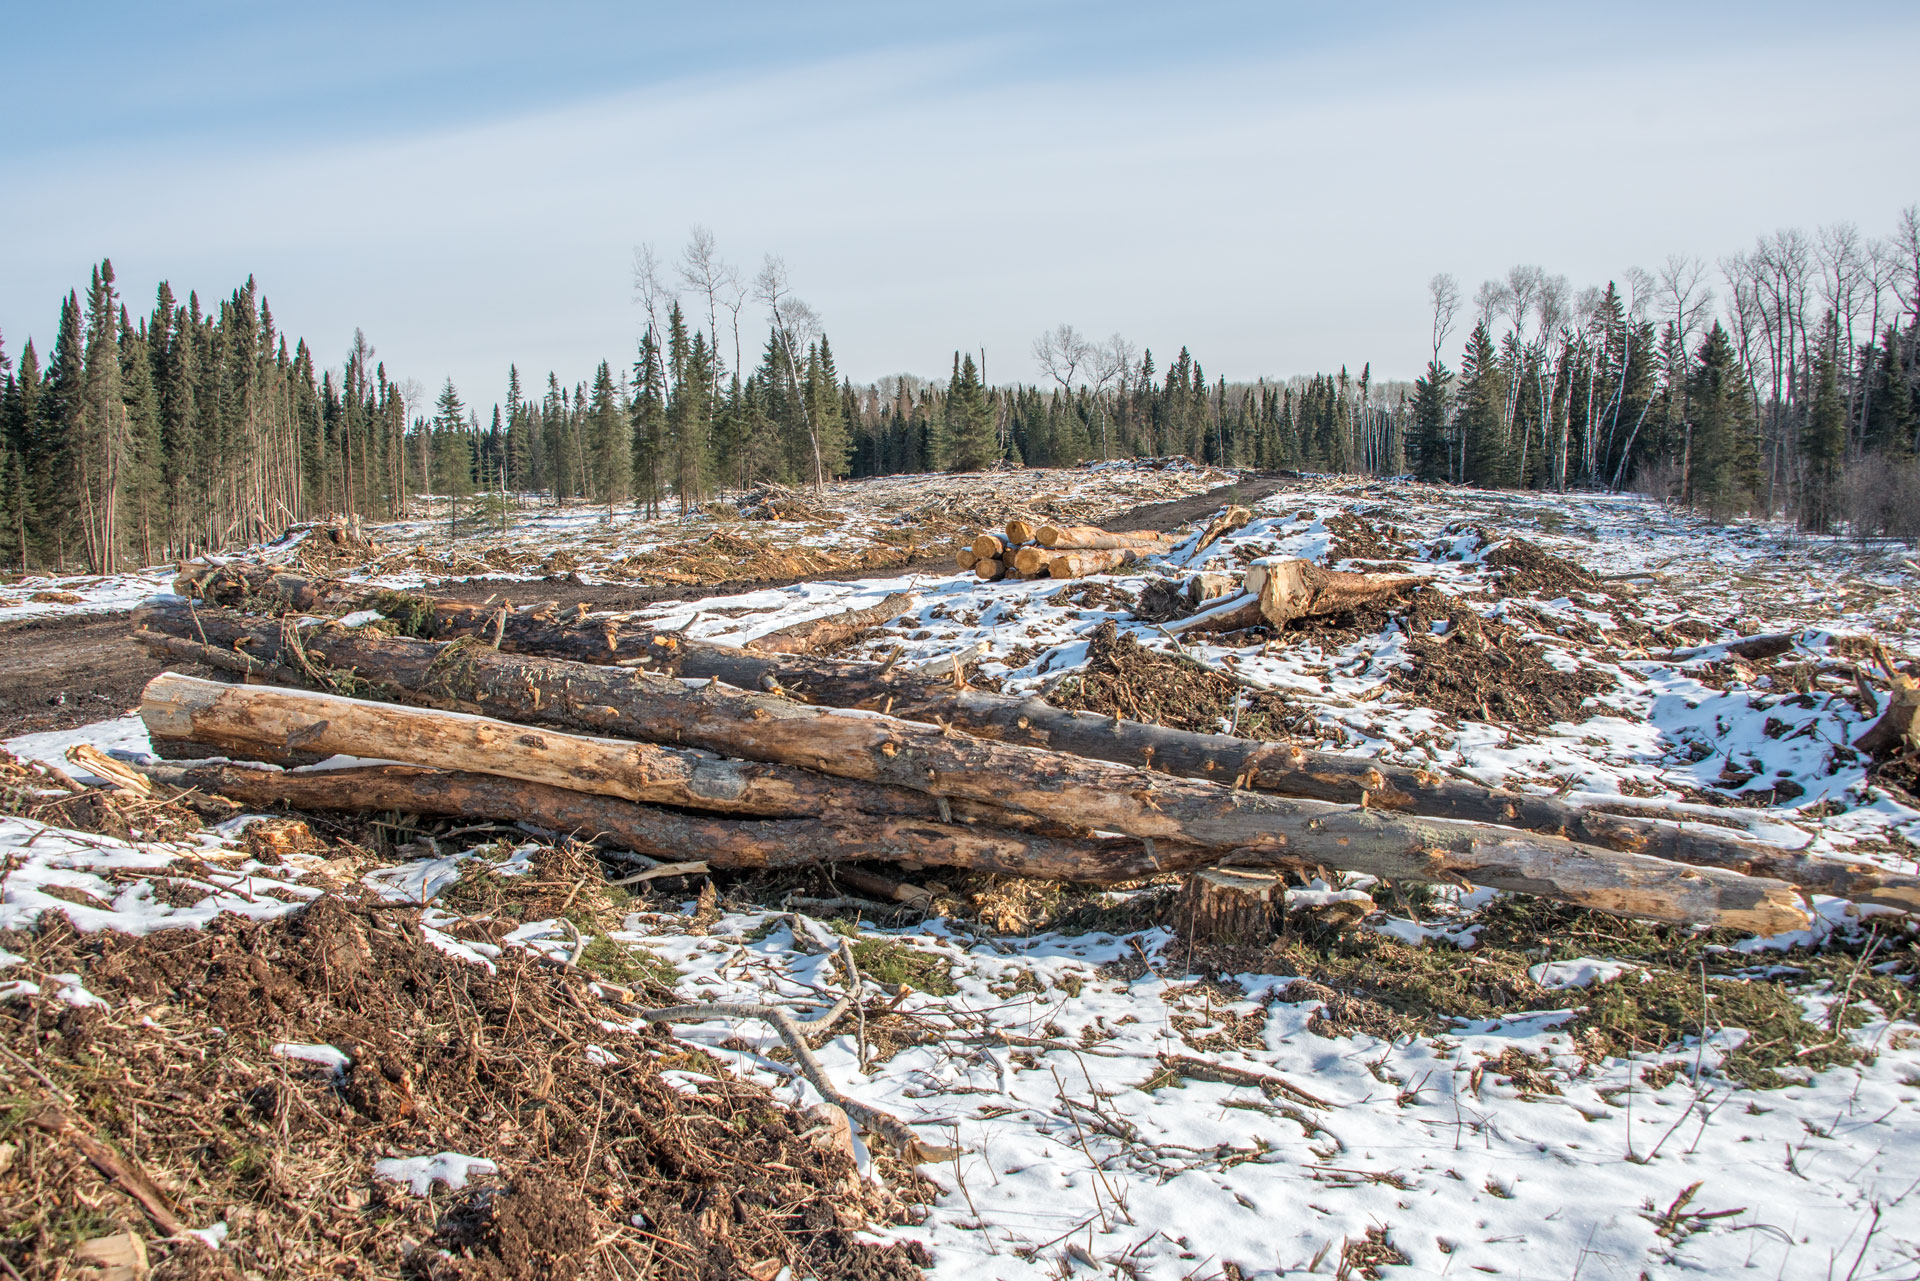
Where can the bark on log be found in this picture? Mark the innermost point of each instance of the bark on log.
(1255, 829)
(1230, 907)
(990, 568)
(1019, 531)
(185, 714)
(989, 546)
(1093, 538)
(1079, 564)
(671, 835)
(1768, 645)
(1294, 588)
(966, 557)
(1897, 727)
(401, 666)
(823, 633)
(1225, 523)
(1229, 614)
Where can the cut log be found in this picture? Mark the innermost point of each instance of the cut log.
(401, 668)
(268, 586)
(990, 568)
(1078, 564)
(1201, 588)
(1088, 795)
(187, 715)
(1229, 614)
(966, 557)
(824, 633)
(1229, 907)
(1769, 645)
(989, 546)
(1019, 531)
(1897, 728)
(1220, 526)
(1293, 588)
(1093, 538)
(1031, 560)
(838, 837)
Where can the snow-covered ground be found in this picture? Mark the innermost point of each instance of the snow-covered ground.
(1090, 1147)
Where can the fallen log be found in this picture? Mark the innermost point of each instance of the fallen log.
(399, 668)
(187, 716)
(966, 557)
(1019, 531)
(1253, 829)
(989, 546)
(1897, 727)
(1768, 645)
(1092, 538)
(990, 568)
(1294, 588)
(824, 633)
(727, 843)
(1080, 564)
(1031, 559)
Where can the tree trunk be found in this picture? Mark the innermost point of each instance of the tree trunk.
(1293, 588)
(1230, 907)
(1079, 564)
(1083, 794)
(1226, 522)
(401, 667)
(667, 834)
(1092, 538)
(824, 633)
(1897, 727)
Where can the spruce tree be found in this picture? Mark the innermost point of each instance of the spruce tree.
(647, 426)
(1431, 449)
(968, 432)
(610, 437)
(1823, 443)
(1480, 420)
(1726, 459)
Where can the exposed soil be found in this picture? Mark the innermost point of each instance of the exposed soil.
(598, 1155)
(61, 672)
(1520, 566)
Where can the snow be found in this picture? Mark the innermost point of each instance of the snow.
(420, 1173)
(330, 1057)
(1085, 1150)
(1582, 972)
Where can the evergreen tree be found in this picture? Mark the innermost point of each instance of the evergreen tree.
(1430, 446)
(1726, 463)
(1823, 444)
(610, 437)
(647, 424)
(688, 412)
(452, 453)
(1479, 420)
(967, 431)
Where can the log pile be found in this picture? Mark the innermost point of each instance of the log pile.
(1025, 550)
(744, 774)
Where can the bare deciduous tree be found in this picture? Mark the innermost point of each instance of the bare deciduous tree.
(1061, 352)
(795, 324)
(648, 289)
(1444, 292)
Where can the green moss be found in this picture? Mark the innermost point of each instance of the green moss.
(891, 961)
(626, 964)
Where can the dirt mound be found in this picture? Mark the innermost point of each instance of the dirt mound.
(1521, 566)
(192, 1072)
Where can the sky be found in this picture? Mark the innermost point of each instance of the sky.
(1268, 184)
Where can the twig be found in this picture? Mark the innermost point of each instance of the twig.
(124, 1174)
(663, 869)
(884, 1124)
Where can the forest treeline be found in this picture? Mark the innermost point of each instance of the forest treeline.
(147, 438)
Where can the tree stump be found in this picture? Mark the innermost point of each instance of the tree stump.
(1230, 907)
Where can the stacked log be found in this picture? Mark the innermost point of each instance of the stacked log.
(408, 670)
(597, 749)
(1027, 551)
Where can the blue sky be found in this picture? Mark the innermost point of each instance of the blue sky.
(1269, 184)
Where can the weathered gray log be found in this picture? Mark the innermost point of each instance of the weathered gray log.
(824, 633)
(1280, 768)
(1094, 796)
(676, 836)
